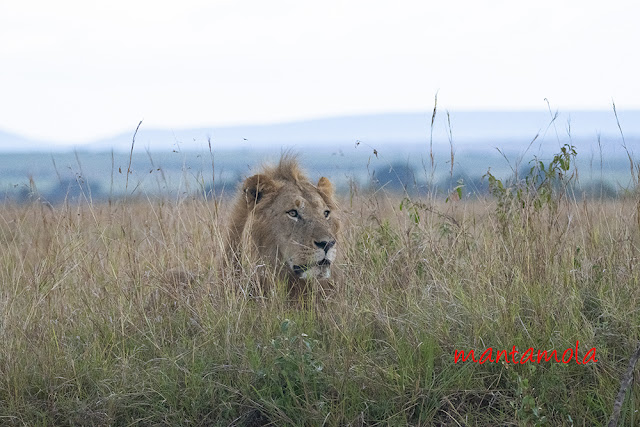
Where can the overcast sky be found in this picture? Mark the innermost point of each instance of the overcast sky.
(74, 71)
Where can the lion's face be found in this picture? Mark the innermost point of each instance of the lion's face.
(295, 224)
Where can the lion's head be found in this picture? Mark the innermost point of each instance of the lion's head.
(293, 223)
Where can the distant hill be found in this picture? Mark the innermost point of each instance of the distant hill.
(14, 143)
(467, 129)
(394, 151)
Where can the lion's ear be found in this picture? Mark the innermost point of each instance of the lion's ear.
(325, 186)
(256, 186)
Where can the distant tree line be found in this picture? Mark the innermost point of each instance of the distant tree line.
(402, 178)
(397, 178)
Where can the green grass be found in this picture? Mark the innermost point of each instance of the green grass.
(93, 334)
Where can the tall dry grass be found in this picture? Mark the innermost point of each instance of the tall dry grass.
(93, 331)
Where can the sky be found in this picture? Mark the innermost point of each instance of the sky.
(77, 71)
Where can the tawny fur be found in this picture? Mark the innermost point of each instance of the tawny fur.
(262, 217)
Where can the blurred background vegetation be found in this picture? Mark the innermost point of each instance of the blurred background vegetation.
(101, 177)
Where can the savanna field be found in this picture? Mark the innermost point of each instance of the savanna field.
(95, 331)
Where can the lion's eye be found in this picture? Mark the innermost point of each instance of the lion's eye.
(326, 213)
(293, 213)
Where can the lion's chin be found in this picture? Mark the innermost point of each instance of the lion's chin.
(320, 270)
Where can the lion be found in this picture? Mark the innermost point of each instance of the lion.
(288, 222)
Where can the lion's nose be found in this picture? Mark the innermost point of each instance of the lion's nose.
(325, 245)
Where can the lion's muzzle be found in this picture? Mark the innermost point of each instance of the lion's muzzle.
(324, 255)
